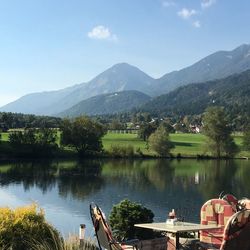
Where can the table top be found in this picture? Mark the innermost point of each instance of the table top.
(178, 227)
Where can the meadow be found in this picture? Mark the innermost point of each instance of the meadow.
(186, 145)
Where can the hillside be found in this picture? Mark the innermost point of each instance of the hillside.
(215, 66)
(38, 103)
(232, 92)
(107, 104)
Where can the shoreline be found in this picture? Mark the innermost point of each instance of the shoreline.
(75, 156)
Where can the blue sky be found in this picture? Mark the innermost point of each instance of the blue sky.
(52, 44)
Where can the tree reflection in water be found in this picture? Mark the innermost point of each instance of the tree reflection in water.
(78, 179)
(81, 180)
(29, 174)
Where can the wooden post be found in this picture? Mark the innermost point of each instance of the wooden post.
(81, 233)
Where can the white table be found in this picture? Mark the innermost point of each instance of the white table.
(177, 228)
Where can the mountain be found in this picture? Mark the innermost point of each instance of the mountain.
(215, 66)
(123, 77)
(107, 104)
(118, 78)
(38, 103)
(232, 92)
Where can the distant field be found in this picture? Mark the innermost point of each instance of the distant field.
(123, 140)
(185, 144)
(4, 136)
(188, 144)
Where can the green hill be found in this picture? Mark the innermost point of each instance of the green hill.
(232, 92)
(107, 104)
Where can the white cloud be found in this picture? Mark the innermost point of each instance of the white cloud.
(168, 3)
(207, 3)
(101, 32)
(197, 24)
(186, 13)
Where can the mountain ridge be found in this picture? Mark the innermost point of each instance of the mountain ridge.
(123, 76)
(231, 92)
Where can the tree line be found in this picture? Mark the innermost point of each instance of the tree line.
(84, 136)
(10, 120)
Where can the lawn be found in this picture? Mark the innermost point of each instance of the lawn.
(188, 144)
(185, 144)
(124, 140)
(4, 136)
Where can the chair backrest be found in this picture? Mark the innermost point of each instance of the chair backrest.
(102, 230)
(215, 212)
(232, 200)
(237, 232)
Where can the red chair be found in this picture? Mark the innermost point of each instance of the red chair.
(232, 200)
(214, 212)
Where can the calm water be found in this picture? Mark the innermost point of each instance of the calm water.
(65, 189)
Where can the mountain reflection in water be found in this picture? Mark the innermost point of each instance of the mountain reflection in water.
(65, 189)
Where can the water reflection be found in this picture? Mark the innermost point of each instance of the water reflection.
(66, 188)
(80, 180)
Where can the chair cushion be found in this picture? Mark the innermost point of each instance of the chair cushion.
(215, 212)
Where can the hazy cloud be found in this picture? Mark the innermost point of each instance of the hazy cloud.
(186, 13)
(197, 24)
(207, 3)
(101, 32)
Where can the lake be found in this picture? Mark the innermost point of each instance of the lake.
(65, 189)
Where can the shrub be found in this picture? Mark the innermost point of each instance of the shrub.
(24, 226)
(124, 215)
(160, 142)
(122, 151)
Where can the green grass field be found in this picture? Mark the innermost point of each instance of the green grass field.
(185, 144)
(4, 136)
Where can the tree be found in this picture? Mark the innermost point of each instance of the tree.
(35, 142)
(117, 125)
(124, 215)
(168, 127)
(246, 139)
(83, 134)
(145, 131)
(159, 141)
(217, 129)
